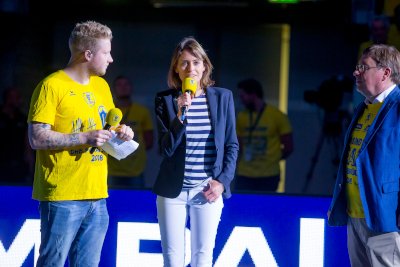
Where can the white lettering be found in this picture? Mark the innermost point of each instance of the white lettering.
(128, 245)
(312, 235)
(311, 253)
(242, 239)
(27, 238)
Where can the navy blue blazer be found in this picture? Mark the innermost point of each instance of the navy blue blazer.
(172, 140)
(378, 171)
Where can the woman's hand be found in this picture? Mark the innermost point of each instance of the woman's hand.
(213, 191)
(183, 100)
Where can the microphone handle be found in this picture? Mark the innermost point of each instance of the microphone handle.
(184, 109)
(106, 127)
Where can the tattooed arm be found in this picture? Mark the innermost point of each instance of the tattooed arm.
(42, 137)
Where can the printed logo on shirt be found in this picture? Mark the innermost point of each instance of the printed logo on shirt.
(353, 172)
(358, 127)
(89, 99)
(356, 141)
(72, 93)
(103, 113)
(349, 180)
(91, 124)
(77, 126)
(369, 117)
(351, 160)
(366, 128)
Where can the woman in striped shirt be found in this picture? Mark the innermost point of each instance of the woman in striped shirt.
(200, 152)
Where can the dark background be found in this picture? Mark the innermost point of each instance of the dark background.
(242, 39)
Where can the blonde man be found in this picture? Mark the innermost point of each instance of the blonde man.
(66, 118)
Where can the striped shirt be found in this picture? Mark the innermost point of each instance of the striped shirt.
(200, 146)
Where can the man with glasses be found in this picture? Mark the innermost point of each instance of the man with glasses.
(366, 196)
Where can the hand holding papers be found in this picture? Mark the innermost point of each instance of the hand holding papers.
(117, 148)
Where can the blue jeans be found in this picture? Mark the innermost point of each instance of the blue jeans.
(72, 228)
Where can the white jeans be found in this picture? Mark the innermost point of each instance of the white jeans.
(204, 216)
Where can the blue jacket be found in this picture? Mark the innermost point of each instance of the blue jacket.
(172, 140)
(377, 169)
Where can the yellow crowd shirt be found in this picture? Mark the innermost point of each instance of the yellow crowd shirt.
(354, 205)
(70, 173)
(138, 118)
(264, 144)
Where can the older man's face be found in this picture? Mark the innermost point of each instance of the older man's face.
(368, 81)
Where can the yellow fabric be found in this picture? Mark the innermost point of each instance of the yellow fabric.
(393, 40)
(394, 37)
(354, 205)
(265, 142)
(138, 118)
(71, 173)
(362, 48)
(389, 6)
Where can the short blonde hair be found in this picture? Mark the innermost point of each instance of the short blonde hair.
(386, 56)
(191, 44)
(85, 36)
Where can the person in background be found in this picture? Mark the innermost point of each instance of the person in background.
(265, 137)
(66, 118)
(17, 161)
(394, 30)
(129, 172)
(200, 153)
(379, 29)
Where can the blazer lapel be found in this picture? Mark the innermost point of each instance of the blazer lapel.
(175, 101)
(212, 99)
(387, 105)
(357, 114)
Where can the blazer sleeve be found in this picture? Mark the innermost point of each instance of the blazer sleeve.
(231, 146)
(170, 133)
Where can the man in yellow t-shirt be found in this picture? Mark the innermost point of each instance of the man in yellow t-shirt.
(129, 172)
(66, 118)
(265, 137)
(379, 26)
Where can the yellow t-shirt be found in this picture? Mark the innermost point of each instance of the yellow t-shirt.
(70, 173)
(265, 144)
(354, 205)
(138, 118)
(393, 40)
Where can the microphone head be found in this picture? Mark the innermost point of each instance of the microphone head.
(114, 116)
(189, 84)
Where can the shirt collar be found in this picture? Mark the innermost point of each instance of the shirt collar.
(382, 96)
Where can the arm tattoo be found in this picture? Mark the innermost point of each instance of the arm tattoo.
(45, 138)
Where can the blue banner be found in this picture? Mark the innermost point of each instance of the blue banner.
(255, 230)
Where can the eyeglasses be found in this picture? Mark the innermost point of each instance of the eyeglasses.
(362, 68)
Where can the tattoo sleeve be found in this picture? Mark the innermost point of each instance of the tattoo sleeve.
(42, 137)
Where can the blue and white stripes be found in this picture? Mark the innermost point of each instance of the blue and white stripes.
(200, 146)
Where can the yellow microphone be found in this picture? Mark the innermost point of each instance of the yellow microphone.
(113, 117)
(189, 86)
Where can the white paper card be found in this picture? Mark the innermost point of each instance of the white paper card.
(118, 148)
